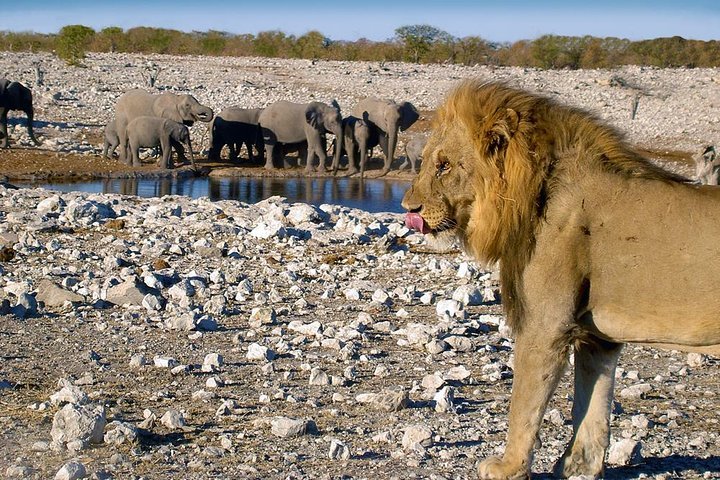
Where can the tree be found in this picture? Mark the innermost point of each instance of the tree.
(418, 39)
(72, 43)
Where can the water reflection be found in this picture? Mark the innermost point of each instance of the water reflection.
(373, 195)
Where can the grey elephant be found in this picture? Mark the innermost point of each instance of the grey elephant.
(15, 96)
(150, 132)
(359, 138)
(234, 127)
(111, 139)
(183, 109)
(413, 152)
(707, 166)
(285, 123)
(388, 117)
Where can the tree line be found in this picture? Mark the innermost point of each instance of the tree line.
(413, 43)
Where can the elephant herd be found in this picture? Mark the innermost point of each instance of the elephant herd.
(275, 130)
(146, 120)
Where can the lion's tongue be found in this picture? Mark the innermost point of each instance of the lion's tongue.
(416, 222)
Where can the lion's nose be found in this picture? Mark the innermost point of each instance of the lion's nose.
(408, 203)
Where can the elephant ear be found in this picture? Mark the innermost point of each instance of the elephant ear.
(409, 115)
(313, 117)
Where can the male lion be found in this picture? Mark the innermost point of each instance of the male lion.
(597, 247)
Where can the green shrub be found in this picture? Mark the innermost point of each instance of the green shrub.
(72, 43)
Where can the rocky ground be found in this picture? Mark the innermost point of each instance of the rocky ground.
(180, 338)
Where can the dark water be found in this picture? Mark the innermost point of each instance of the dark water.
(372, 195)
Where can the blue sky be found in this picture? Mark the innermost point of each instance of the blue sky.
(497, 20)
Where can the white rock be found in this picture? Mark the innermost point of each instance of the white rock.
(81, 424)
(259, 352)
(165, 362)
(72, 470)
(173, 419)
(338, 450)
(450, 308)
(417, 435)
(444, 400)
(625, 452)
(288, 427)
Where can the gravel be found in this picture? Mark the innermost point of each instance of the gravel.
(197, 339)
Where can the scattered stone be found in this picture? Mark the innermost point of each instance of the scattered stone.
(52, 295)
(73, 470)
(390, 400)
(289, 427)
(417, 435)
(259, 352)
(338, 450)
(173, 419)
(121, 432)
(262, 316)
(78, 424)
(625, 452)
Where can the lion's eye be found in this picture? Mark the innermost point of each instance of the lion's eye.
(441, 167)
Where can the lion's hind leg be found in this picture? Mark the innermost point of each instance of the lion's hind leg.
(595, 362)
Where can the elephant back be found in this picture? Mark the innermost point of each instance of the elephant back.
(134, 103)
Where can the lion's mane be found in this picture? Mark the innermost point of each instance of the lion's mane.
(526, 145)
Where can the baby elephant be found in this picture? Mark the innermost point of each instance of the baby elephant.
(413, 152)
(153, 131)
(112, 140)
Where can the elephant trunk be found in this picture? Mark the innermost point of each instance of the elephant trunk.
(392, 136)
(338, 149)
(190, 152)
(204, 114)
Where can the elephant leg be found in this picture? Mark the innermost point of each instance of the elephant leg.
(181, 153)
(3, 128)
(30, 130)
(165, 160)
(134, 155)
(352, 153)
(269, 152)
(595, 364)
(106, 148)
(309, 160)
(540, 357)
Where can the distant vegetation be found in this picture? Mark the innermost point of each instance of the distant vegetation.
(414, 43)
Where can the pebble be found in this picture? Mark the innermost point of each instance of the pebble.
(289, 427)
(415, 435)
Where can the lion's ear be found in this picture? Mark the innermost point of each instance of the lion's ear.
(502, 131)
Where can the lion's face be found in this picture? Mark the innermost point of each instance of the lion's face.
(441, 197)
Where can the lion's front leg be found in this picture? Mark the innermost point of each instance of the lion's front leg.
(539, 362)
(595, 364)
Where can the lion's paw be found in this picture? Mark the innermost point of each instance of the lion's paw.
(578, 465)
(495, 468)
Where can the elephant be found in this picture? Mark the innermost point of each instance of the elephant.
(150, 132)
(234, 127)
(135, 103)
(388, 117)
(111, 140)
(413, 152)
(15, 96)
(359, 138)
(285, 122)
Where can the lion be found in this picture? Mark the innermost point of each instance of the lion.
(596, 245)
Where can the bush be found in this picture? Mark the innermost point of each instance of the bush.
(72, 43)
